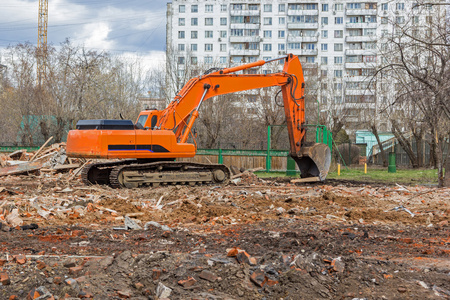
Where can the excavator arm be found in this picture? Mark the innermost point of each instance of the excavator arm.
(183, 111)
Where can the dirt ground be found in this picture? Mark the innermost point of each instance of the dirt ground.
(251, 239)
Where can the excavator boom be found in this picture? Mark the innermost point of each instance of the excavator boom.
(161, 136)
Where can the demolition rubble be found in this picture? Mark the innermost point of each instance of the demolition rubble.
(250, 239)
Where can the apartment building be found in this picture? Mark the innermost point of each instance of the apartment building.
(338, 42)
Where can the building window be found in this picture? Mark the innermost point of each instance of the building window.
(223, 47)
(281, 8)
(371, 19)
(338, 33)
(338, 20)
(324, 20)
(223, 7)
(209, 21)
(194, 60)
(194, 8)
(194, 34)
(281, 47)
(267, 34)
(267, 7)
(181, 8)
(324, 47)
(384, 20)
(338, 73)
(223, 59)
(338, 47)
(223, 33)
(384, 6)
(310, 59)
(208, 34)
(401, 20)
(324, 73)
(268, 21)
(324, 60)
(267, 47)
(181, 21)
(338, 60)
(193, 47)
(208, 60)
(339, 7)
(208, 47)
(181, 47)
(253, 46)
(223, 21)
(281, 34)
(416, 19)
(428, 19)
(281, 20)
(338, 86)
(324, 34)
(181, 34)
(181, 60)
(209, 8)
(400, 6)
(309, 46)
(253, 7)
(324, 7)
(194, 22)
(294, 46)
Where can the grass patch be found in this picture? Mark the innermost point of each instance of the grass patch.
(375, 174)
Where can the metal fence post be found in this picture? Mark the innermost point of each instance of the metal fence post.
(220, 156)
(268, 158)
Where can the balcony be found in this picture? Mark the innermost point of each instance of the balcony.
(305, 39)
(306, 65)
(303, 25)
(360, 12)
(361, 38)
(245, 12)
(355, 65)
(303, 12)
(359, 92)
(241, 52)
(245, 39)
(309, 52)
(363, 25)
(244, 26)
(356, 78)
(360, 52)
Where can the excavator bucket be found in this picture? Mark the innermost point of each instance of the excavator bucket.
(313, 161)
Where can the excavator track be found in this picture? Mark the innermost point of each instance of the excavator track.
(98, 173)
(165, 173)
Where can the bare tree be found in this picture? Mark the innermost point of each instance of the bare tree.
(416, 59)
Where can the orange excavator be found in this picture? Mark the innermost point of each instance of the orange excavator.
(148, 149)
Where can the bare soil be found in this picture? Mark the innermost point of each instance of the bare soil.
(331, 240)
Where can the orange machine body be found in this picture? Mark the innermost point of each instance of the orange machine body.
(163, 134)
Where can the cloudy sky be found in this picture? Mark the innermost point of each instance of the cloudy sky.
(128, 27)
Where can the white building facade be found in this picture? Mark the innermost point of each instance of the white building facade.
(340, 40)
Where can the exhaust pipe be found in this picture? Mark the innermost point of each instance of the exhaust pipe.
(313, 161)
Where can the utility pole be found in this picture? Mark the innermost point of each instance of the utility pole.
(42, 39)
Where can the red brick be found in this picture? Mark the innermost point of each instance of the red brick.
(243, 257)
(57, 280)
(207, 275)
(2, 262)
(40, 265)
(20, 259)
(233, 252)
(75, 270)
(271, 282)
(156, 274)
(187, 282)
(259, 278)
(4, 279)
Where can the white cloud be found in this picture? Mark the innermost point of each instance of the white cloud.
(95, 35)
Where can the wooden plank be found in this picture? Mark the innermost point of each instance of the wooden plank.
(42, 147)
(22, 168)
(307, 179)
